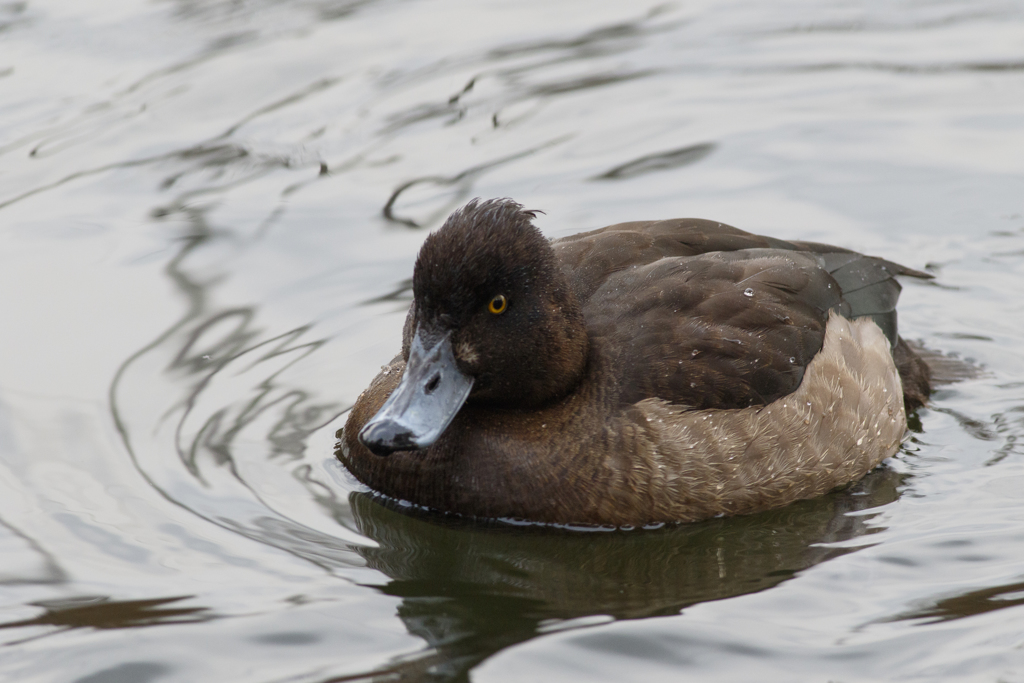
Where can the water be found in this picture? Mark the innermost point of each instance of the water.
(208, 217)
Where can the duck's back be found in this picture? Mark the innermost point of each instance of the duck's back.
(705, 315)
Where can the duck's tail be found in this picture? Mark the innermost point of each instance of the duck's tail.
(870, 290)
(914, 373)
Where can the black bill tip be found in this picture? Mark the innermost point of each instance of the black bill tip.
(384, 437)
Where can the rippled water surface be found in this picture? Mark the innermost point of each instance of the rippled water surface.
(209, 212)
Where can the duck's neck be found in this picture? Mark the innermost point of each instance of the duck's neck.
(566, 340)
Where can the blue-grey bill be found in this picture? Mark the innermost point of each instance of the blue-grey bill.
(425, 402)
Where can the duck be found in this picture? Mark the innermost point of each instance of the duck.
(641, 374)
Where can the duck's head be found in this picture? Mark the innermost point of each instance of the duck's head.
(493, 322)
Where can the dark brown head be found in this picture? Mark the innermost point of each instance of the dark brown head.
(495, 314)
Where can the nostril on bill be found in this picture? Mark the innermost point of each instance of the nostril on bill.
(432, 384)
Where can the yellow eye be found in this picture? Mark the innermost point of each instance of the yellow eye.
(498, 304)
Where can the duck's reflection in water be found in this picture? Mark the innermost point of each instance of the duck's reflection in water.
(470, 589)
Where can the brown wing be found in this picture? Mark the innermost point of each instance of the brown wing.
(719, 330)
(706, 315)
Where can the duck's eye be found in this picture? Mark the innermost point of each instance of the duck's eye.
(498, 304)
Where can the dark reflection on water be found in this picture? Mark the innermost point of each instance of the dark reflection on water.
(104, 613)
(968, 604)
(207, 10)
(894, 67)
(661, 161)
(45, 570)
(470, 589)
(458, 188)
(599, 41)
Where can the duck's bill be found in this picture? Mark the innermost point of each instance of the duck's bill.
(425, 402)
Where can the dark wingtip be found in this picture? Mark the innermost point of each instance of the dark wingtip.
(909, 272)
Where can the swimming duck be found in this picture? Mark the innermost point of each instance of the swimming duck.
(643, 373)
